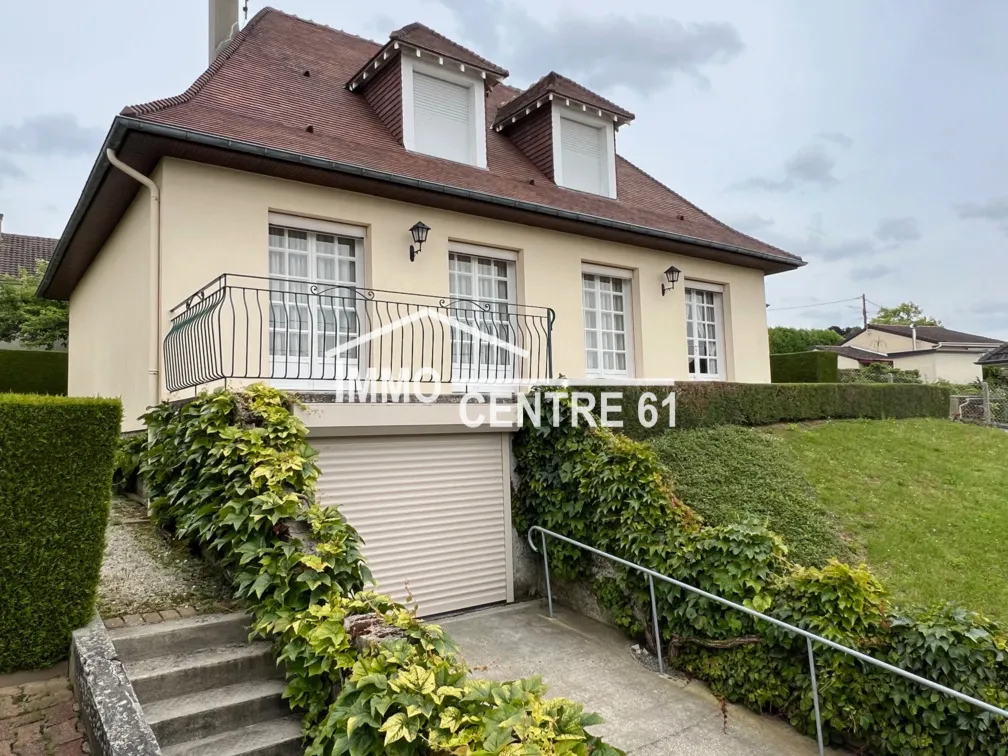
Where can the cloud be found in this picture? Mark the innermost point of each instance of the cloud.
(812, 164)
(53, 134)
(837, 137)
(9, 170)
(897, 230)
(871, 273)
(994, 209)
(751, 223)
(642, 53)
(845, 249)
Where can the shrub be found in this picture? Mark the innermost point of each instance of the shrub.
(55, 471)
(703, 405)
(804, 367)
(26, 371)
(233, 473)
(879, 372)
(126, 471)
(731, 474)
(593, 486)
(784, 340)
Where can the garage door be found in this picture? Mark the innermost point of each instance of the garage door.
(431, 510)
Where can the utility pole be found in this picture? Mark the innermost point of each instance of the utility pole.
(864, 311)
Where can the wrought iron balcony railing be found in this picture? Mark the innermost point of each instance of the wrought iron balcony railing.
(316, 337)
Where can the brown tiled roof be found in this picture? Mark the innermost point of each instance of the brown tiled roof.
(425, 38)
(854, 353)
(256, 91)
(997, 356)
(930, 334)
(18, 251)
(564, 87)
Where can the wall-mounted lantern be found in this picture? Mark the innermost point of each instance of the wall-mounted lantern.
(672, 276)
(419, 232)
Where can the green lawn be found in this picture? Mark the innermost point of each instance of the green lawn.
(925, 502)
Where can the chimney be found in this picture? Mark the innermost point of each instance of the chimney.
(1, 224)
(913, 336)
(223, 24)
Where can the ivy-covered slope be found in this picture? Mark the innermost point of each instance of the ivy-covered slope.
(232, 473)
(610, 492)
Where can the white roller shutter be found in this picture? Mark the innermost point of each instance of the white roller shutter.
(581, 157)
(431, 511)
(443, 119)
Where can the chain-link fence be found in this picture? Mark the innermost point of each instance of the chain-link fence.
(989, 406)
(881, 374)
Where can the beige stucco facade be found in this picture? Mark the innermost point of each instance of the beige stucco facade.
(936, 365)
(215, 221)
(886, 343)
(109, 318)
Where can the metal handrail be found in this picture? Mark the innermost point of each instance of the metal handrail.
(809, 637)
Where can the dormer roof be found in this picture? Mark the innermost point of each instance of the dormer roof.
(421, 37)
(560, 86)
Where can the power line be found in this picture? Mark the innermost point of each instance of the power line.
(817, 304)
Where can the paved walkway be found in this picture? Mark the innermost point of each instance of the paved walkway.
(646, 714)
(40, 719)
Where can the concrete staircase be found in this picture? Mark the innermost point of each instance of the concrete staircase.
(205, 689)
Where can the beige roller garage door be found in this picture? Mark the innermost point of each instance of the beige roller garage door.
(432, 510)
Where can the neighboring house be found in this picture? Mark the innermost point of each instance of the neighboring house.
(936, 352)
(19, 252)
(995, 358)
(852, 358)
(324, 204)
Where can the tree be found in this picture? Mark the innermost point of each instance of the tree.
(29, 319)
(906, 313)
(784, 340)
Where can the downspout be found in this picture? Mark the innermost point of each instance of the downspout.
(913, 336)
(154, 279)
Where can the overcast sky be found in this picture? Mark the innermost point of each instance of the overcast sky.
(867, 136)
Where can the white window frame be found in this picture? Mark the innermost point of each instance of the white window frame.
(285, 368)
(589, 117)
(505, 363)
(626, 276)
(719, 327)
(414, 60)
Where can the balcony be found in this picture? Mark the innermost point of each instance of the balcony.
(311, 337)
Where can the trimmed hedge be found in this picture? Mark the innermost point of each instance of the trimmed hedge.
(803, 367)
(28, 371)
(705, 405)
(55, 473)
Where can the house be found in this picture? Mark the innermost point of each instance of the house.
(317, 205)
(995, 358)
(852, 358)
(936, 352)
(20, 252)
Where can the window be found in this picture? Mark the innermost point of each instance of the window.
(704, 333)
(313, 302)
(482, 299)
(608, 335)
(582, 150)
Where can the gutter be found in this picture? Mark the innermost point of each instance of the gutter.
(154, 277)
(124, 124)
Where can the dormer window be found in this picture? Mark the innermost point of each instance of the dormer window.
(584, 156)
(567, 131)
(443, 113)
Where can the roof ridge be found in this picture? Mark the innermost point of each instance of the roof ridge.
(703, 212)
(416, 25)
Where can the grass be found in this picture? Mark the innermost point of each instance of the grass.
(925, 502)
(730, 474)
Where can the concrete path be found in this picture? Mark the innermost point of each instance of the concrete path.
(645, 713)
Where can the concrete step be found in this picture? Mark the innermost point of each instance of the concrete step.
(276, 737)
(177, 674)
(199, 715)
(180, 636)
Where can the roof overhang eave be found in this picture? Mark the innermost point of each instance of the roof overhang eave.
(122, 125)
